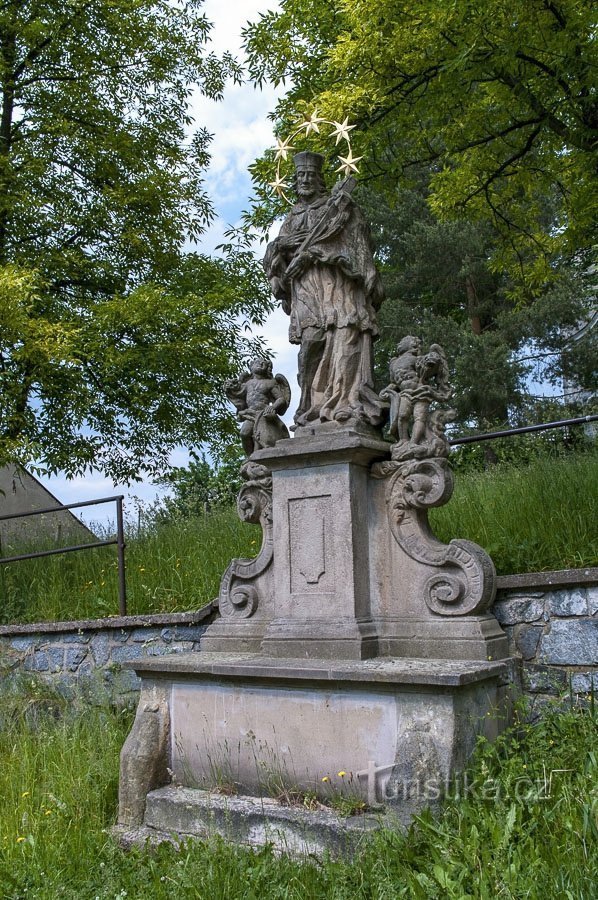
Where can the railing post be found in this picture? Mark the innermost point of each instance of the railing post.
(120, 545)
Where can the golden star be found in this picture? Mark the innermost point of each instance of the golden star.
(278, 185)
(348, 163)
(342, 129)
(283, 148)
(311, 123)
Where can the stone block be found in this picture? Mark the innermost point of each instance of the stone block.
(188, 632)
(539, 679)
(125, 682)
(593, 599)
(76, 637)
(144, 635)
(572, 642)
(100, 648)
(568, 603)
(517, 610)
(25, 643)
(44, 661)
(527, 638)
(584, 682)
(129, 652)
(74, 658)
(257, 822)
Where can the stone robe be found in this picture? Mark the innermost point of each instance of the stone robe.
(321, 267)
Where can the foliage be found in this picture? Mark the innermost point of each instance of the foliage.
(439, 286)
(524, 826)
(200, 486)
(497, 98)
(520, 513)
(173, 567)
(113, 340)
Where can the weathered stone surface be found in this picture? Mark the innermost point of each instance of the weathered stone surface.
(322, 269)
(539, 679)
(183, 633)
(568, 603)
(517, 610)
(584, 682)
(44, 661)
(144, 635)
(593, 600)
(125, 682)
(74, 658)
(570, 642)
(100, 648)
(77, 637)
(527, 638)
(144, 757)
(25, 643)
(258, 821)
(127, 653)
(260, 399)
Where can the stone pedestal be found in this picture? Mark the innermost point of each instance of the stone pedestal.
(251, 726)
(354, 643)
(349, 567)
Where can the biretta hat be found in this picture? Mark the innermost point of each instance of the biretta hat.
(308, 160)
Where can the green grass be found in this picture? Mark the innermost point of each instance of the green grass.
(526, 828)
(529, 518)
(170, 568)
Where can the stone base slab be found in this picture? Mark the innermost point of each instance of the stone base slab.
(390, 732)
(252, 822)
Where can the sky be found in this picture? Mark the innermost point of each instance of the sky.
(241, 132)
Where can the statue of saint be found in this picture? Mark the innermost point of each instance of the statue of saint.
(321, 268)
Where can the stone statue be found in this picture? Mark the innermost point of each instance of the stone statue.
(321, 268)
(260, 399)
(416, 380)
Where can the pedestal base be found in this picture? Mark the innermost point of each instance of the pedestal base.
(388, 733)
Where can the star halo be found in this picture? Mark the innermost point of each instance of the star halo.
(311, 124)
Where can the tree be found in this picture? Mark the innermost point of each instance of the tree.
(497, 97)
(201, 486)
(113, 340)
(439, 285)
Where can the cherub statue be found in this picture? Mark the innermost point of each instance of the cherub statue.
(260, 399)
(418, 379)
(403, 379)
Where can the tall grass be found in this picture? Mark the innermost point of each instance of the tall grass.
(527, 827)
(543, 515)
(169, 568)
(529, 518)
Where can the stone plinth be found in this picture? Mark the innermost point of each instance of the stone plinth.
(265, 727)
(349, 568)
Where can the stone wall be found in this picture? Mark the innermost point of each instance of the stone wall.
(85, 658)
(551, 621)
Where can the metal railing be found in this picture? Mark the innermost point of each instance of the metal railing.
(119, 540)
(525, 429)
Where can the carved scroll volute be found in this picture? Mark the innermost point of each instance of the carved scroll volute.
(239, 589)
(466, 582)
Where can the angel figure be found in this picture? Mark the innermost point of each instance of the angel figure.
(260, 399)
(417, 380)
(403, 379)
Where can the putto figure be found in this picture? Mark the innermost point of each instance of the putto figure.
(321, 268)
(260, 399)
(416, 381)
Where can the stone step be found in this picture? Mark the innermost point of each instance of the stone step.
(256, 822)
